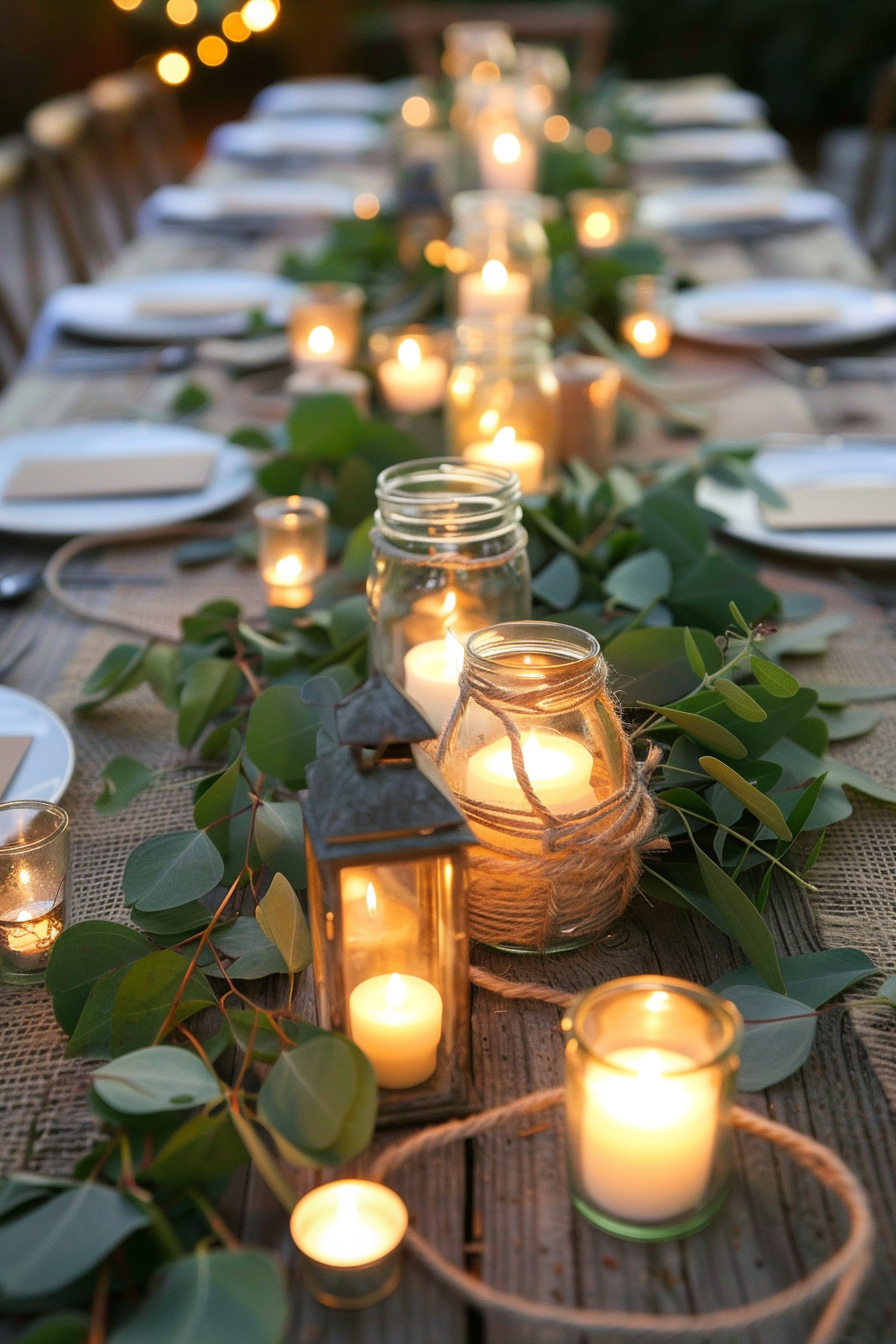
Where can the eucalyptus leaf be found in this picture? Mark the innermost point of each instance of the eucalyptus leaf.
(81, 955)
(63, 1327)
(701, 593)
(119, 671)
(58, 1242)
(834, 696)
(123, 779)
(254, 965)
(703, 730)
(762, 807)
(655, 884)
(653, 664)
(204, 1149)
(92, 1036)
(694, 656)
(887, 990)
(349, 619)
(242, 936)
(744, 922)
(171, 870)
(307, 1095)
(212, 1297)
(841, 773)
(158, 1078)
(558, 585)
(280, 836)
(282, 733)
(845, 724)
(809, 639)
(283, 920)
(210, 686)
(323, 428)
(739, 701)
(775, 680)
(641, 581)
(146, 995)
(813, 978)
(674, 524)
(202, 551)
(181, 920)
(778, 1036)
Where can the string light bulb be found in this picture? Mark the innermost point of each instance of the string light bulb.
(182, 12)
(212, 50)
(259, 15)
(173, 67)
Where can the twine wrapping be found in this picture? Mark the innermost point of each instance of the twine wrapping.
(571, 876)
(841, 1274)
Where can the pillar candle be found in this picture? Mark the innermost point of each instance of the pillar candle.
(412, 382)
(397, 1021)
(507, 162)
(523, 456)
(431, 677)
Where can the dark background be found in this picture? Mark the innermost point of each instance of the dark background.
(813, 60)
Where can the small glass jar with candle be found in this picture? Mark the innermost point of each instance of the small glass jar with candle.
(385, 851)
(325, 324)
(34, 844)
(543, 65)
(349, 1234)
(471, 42)
(503, 397)
(412, 368)
(651, 1070)
(537, 758)
(449, 557)
(602, 217)
(292, 548)
(507, 258)
(645, 301)
(589, 391)
(506, 147)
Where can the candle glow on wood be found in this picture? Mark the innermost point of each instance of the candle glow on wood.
(523, 456)
(397, 1021)
(412, 382)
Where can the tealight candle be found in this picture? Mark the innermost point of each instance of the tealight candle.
(33, 866)
(376, 928)
(397, 1021)
(325, 324)
(650, 1069)
(412, 382)
(523, 456)
(601, 217)
(507, 161)
(646, 325)
(494, 289)
(292, 548)
(349, 1234)
(432, 676)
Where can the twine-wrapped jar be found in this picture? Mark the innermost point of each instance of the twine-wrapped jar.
(539, 761)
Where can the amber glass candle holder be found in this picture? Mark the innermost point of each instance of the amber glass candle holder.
(349, 1234)
(325, 324)
(602, 218)
(34, 849)
(589, 394)
(412, 368)
(645, 301)
(651, 1070)
(292, 548)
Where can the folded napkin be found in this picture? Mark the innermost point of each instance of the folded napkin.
(12, 753)
(46, 478)
(190, 305)
(771, 312)
(835, 503)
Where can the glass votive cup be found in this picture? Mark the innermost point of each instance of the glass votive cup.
(602, 217)
(589, 393)
(34, 848)
(645, 301)
(292, 548)
(651, 1069)
(349, 1234)
(412, 368)
(325, 324)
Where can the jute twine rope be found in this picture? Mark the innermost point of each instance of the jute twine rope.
(841, 1274)
(576, 873)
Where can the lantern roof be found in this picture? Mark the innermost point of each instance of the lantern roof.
(377, 714)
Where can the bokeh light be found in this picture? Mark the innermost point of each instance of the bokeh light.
(212, 50)
(436, 251)
(173, 67)
(182, 11)
(234, 28)
(485, 72)
(507, 147)
(367, 205)
(258, 15)
(556, 129)
(128, 4)
(599, 140)
(416, 111)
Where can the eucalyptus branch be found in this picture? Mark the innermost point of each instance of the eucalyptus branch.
(99, 1310)
(207, 933)
(215, 1221)
(686, 811)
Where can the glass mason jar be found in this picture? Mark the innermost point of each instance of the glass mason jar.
(33, 865)
(292, 548)
(651, 1070)
(504, 397)
(507, 262)
(449, 557)
(646, 301)
(536, 745)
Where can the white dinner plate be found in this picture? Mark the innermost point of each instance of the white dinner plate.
(260, 200)
(711, 147)
(789, 460)
(232, 478)
(111, 311)
(846, 312)
(696, 107)
(47, 766)
(736, 211)
(313, 136)
(298, 97)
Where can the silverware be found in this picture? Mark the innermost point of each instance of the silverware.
(120, 359)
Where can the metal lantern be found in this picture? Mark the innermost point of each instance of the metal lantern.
(385, 853)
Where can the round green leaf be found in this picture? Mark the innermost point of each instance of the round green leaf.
(283, 920)
(210, 687)
(145, 996)
(81, 955)
(778, 1035)
(159, 1078)
(281, 739)
(640, 581)
(170, 870)
(280, 836)
(307, 1095)
(205, 1148)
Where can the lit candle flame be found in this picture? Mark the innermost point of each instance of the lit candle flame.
(598, 224)
(371, 900)
(657, 1001)
(409, 355)
(505, 438)
(450, 603)
(644, 331)
(321, 340)
(494, 276)
(396, 992)
(347, 1221)
(488, 421)
(288, 569)
(543, 764)
(507, 147)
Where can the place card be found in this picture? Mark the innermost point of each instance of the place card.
(104, 477)
(834, 505)
(12, 753)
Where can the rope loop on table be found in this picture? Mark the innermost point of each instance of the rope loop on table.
(841, 1274)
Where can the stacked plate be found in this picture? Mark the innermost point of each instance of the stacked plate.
(709, 148)
(314, 136)
(785, 313)
(737, 211)
(298, 97)
(695, 107)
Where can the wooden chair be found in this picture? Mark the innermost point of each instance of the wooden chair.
(858, 163)
(140, 116)
(588, 27)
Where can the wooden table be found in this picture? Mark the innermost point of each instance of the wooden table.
(500, 1205)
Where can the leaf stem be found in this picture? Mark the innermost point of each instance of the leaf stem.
(686, 811)
(214, 1220)
(100, 1307)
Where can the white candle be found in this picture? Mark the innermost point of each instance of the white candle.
(397, 1021)
(648, 1134)
(411, 382)
(375, 926)
(494, 289)
(559, 770)
(523, 456)
(284, 582)
(431, 677)
(507, 162)
(347, 1223)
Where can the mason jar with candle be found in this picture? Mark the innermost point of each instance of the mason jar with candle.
(325, 324)
(412, 368)
(651, 1071)
(507, 259)
(34, 845)
(646, 324)
(536, 756)
(506, 145)
(449, 557)
(292, 548)
(503, 397)
(602, 217)
(386, 891)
